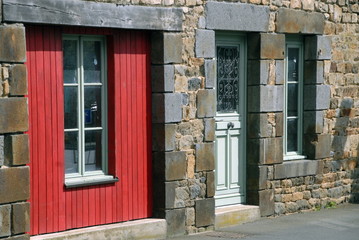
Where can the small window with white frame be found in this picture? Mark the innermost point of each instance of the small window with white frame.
(85, 109)
(293, 102)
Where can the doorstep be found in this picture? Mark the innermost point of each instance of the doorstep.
(236, 214)
(149, 228)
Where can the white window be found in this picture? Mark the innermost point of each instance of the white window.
(293, 110)
(85, 109)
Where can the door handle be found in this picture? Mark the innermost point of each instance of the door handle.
(230, 125)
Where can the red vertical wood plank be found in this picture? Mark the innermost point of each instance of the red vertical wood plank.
(92, 206)
(85, 204)
(79, 207)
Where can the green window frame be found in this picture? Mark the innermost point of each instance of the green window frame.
(293, 102)
(85, 110)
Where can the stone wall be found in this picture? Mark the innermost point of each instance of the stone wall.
(14, 145)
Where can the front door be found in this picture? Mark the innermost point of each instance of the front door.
(230, 119)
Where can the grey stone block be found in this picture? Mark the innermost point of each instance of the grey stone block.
(15, 182)
(211, 186)
(176, 222)
(279, 72)
(313, 72)
(258, 126)
(206, 100)
(17, 150)
(317, 146)
(163, 78)
(210, 71)
(209, 129)
(1, 150)
(267, 98)
(266, 202)
(237, 17)
(204, 156)
(205, 212)
(5, 224)
(316, 97)
(176, 166)
(166, 107)
(279, 126)
(170, 194)
(166, 48)
(266, 46)
(258, 72)
(20, 218)
(164, 137)
(313, 122)
(12, 42)
(205, 43)
(18, 80)
(14, 115)
(297, 21)
(194, 84)
(265, 150)
(318, 48)
(291, 169)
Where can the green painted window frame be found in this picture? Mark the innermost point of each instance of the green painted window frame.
(294, 42)
(83, 177)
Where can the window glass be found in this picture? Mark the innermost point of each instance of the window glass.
(92, 61)
(70, 61)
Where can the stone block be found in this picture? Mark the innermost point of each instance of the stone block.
(163, 78)
(194, 84)
(205, 43)
(15, 183)
(210, 72)
(266, 202)
(163, 137)
(296, 21)
(279, 124)
(17, 149)
(265, 150)
(1, 150)
(279, 72)
(176, 166)
(176, 222)
(20, 237)
(318, 48)
(211, 186)
(166, 107)
(291, 169)
(224, 16)
(258, 126)
(20, 218)
(209, 129)
(18, 80)
(166, 48)
(266, 46)
(13, 44)
(204, 156)
(206, 103)
(205, 212)
(14, 115)
(313, 122)
(313, 72)
(5, 216)
(317, 146)
(316, 97)
(258, 72)
(171, 194)
(267, 98)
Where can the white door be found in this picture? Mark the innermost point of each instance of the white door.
(230, 119)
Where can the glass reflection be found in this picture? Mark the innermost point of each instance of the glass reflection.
(93, 150)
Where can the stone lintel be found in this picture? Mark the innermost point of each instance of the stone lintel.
(292, 169)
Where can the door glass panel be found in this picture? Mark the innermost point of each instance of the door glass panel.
(71, 105)
(70, 61)
(292, 135)
(93, 150)
(71, 152)
(92, 61)
(293, 64)
(227, 79)
(292, 100)
(93, 105)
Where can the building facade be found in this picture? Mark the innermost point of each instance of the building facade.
(112, 111)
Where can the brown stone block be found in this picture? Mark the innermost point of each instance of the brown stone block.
(317, 146)
(17, 149)
(5, 212)
(206, 100)
(265, 150)
(211, 188)
(163, 137)
(15, 183)
(12, 42)
(279, 124)
(266, 202)
(18, 80)
(20, 218)
(272, 46)
(14, 115)
(176, 222)
(204, 156)
(205, 212)
(209, 129)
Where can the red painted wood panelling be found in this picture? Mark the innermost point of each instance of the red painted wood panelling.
(53, 207)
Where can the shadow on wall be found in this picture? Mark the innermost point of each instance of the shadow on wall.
(345, 145)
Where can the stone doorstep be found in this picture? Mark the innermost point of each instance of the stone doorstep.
(139, 229)
(236, 214)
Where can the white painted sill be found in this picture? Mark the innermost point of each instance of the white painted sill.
(89, 181)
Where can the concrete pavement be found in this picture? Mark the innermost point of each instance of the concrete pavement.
(340, 223)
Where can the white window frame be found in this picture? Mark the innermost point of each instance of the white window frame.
(82, 177)
(294, 42)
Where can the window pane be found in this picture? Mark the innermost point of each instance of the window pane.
(70, 61)
(92, 61)
(71, 113)
(93, 150)
(292, 135)
(227, 79)
(292, 99)
(71, 152)
(93, 105)
(293, 64)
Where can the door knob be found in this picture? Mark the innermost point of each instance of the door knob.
(230, 125)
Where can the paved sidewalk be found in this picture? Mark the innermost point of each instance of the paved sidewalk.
(341, 223)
